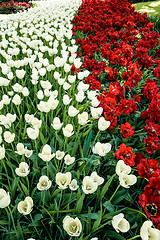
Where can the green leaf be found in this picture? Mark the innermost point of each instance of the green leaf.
(97, 222)
(114, 235)
(24, 189)
(19, 231)
(80, 203)
(52, 170)
(43, 140)
(87, 144)
(106, 186)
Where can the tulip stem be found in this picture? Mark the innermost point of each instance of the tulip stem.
(34, 225)
(10, 212)
(134, 237)
(111, 197)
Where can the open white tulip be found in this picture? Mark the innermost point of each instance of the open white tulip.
(46, 154)
(33, 133)
(63, 180)
(59, 154)
(36, 123)
(103, 124)
(89, 185)
(73, 185)
(120, 224)
(44, 183)
(8, 136)
(99, 180)
(127, 180)
(83, 118)
(16, 99)
(149, 233)
(101, 148)
(72, 111)
(4, 198)
(22, 170)
(96, 112)
(57, 123)
(68, 130)
(121, 167)
(25, 207)
(68, 159)
(2, 152)
(20, 73)
(72, 226)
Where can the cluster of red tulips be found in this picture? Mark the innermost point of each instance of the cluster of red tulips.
(120, 48)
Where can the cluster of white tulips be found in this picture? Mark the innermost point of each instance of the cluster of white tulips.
(45, 109)
(39, 91)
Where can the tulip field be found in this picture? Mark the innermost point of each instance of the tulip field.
(79, 122)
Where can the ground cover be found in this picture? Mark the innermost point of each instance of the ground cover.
(79, 140)
(152, 8)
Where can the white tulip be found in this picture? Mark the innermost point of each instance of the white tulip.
(59, 154)
(11, 93)
(20, 73)
(63, 180)
(61, 81)
(120, 224)
(25, 91)
(68, 159)
(95, 102)
(71, 79)
(27, 152)
(57, 75)
(72, 111)
(16, 99)
(17, 87)
(42, 71)
(44, 106)
(5, 99)
(101, 148)
(4, 198)
(99, 180)
(8, 136)
(80, 96)
(73, 185)
(67, 67)
(72, 226)
(77, 62)
(28, 117)
(57, 123)
(68, 130)
(80, 75)
(127, 180)
(53, 103)
(103, 124)
(25, 207)
(82, 86)
(83, 118)
(36, 123)
(44, 183)
(88, 185)
(22, 170)
(121, 167)
(149, 233)
(96, 112)
(33, 133)
(40, 94)
(66, 86)
(46, 84)
(46, 154)
(66, 99)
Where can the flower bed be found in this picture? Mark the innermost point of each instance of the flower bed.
(76, 122)
(13, 7)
